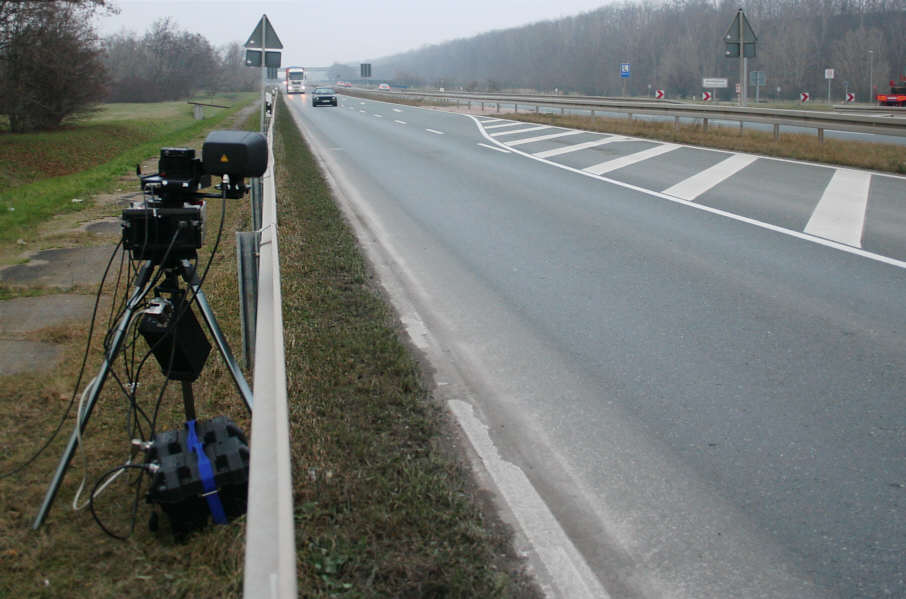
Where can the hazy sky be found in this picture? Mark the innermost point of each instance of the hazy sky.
(321, 33)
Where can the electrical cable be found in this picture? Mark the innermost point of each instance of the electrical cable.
(75, 390)
(114, 472)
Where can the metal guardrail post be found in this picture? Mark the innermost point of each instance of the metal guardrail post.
(247, 261)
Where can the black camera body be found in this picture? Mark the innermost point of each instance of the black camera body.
(168, 225)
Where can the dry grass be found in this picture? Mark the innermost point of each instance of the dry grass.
(70, 556)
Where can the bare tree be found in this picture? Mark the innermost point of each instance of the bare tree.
(50, 66)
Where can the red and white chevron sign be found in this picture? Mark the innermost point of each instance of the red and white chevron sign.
(850, 97)
(804, 96)
(659, 94)
(706, 96)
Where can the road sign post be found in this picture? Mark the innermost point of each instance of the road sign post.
(740, 40)
(829, 75)
(757, 79)
(624, 75)
(264, 37)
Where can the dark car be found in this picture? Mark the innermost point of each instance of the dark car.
(323, 96)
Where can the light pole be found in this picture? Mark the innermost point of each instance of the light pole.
(871, 65)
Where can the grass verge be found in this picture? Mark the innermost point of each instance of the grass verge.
(70, 556)
(382, 510)
(41, 174)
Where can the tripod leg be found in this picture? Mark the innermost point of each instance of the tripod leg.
(138, 292)
(191, 278)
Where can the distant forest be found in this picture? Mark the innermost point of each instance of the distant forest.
(672, 45)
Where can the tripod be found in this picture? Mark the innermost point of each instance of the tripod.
(182, 268)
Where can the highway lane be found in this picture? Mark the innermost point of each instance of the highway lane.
(708, 407)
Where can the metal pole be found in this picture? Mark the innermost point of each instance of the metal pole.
(742, 61)
(138, 293)
(871, 87)
(191, 278)
(263, 74)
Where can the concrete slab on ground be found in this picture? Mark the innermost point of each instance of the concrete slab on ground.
(60, 267)
(27, 314)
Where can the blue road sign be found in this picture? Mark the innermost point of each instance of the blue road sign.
(624, 70)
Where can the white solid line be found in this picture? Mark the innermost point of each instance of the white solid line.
(571, 574)
(901, 264)
(436, 132)
(699, 183)
(495, 148)
(618, 163)
(510, 124)
(840, 214)
(577, 147)
(512, 132)
(519, 142)
(489, 120)
(400, 122)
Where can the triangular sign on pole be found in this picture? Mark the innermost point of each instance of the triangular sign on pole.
(748, 35)
(257, 39)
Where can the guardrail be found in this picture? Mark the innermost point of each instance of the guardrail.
(270, 545)
(887, 124)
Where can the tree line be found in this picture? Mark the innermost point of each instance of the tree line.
(53, 65)
(672, 45)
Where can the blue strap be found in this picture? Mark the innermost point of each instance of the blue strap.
(206, 472)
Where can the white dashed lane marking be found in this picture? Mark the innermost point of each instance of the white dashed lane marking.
(840, 213)
(504, 125)
(434, 131)
(512, 132)
(519, 142)
(699, 183)
(578, 147)
(618, 163)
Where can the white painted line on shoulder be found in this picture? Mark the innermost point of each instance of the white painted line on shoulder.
(526, 130)
(511, 124)
(400, 122)
(699, 183)
(618, 163)
(434, 131)
(489, 120)
(519, 142)
(840, 213)
(901, 264)
(495, 148)
(569, 571)
(582, 146)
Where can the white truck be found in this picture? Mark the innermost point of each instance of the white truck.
(295, 80)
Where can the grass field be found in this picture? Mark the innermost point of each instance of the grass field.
(42, 173)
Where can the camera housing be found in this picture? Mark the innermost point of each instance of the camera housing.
(168, 225)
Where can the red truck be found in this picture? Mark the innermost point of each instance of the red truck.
(897, 95)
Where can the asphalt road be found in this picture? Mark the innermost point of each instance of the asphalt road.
(699, 373)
